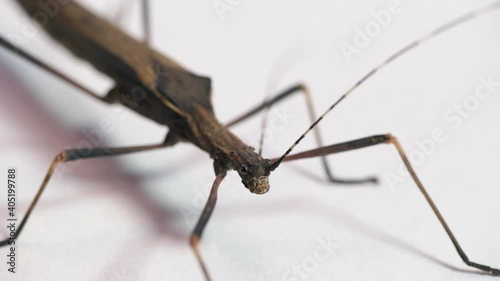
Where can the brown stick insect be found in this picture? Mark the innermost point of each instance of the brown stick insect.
(181, 101)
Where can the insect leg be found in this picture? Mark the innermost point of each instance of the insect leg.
(50, 69)
(266, 104)
(389, 139)
(146, 21)
(202, 223)
(72, 155)
(301, 88)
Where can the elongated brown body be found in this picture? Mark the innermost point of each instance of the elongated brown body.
(162, 90)
(151, 84)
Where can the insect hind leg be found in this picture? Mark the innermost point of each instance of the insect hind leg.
(24, 55)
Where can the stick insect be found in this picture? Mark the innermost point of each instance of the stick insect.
(180, 100)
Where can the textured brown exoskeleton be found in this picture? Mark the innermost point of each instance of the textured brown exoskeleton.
(175, 97)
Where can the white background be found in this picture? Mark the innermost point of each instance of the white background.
(129, 218)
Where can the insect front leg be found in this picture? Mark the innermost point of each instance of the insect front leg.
(389, 139)
(301, 89)
(202, 223)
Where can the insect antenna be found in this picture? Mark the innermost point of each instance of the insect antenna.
(452, 24)
(263, 125)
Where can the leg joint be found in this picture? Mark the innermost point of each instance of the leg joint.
(62, 156)
(193, 241)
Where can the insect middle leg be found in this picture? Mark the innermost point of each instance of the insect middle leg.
(302, 89)
(389, 139)
(72, 155)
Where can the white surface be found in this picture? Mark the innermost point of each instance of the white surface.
(129, 218)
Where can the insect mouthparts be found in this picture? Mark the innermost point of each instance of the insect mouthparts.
(258, 185)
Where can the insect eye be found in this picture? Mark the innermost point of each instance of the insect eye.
(268, 162)
(243, 169)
